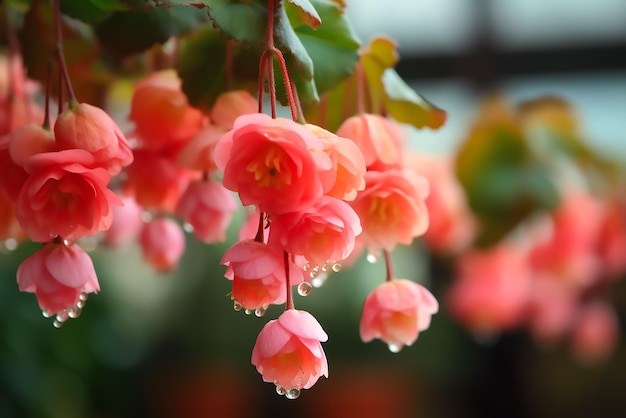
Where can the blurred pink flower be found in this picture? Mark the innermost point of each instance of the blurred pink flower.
(127, 223)
(288, 352)
(396, 311)
(208, 207)
(162, 242)
(58, 274)
(595, 332)
(230, 105)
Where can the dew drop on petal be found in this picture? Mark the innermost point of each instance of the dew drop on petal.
(259, 312)
(248, 311)
(83, 296)
(57, 324)
(146, 216)
(314, 272)
(237, 306)
(74, 312)
(336, 267)
(292, 393)
(307, 267)
(304, 289)
(188, 227)
(10, 244)
(81, 304)
(372, 258)
(325, 267)
(394, 348)
(280, 390)
(47, 314)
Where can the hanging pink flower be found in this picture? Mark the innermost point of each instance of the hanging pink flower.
(63, 198)
(58, 274)
(258, 274)
(323, 233)
(161, 112)
(392, 208)
(197, 154)
(288, 352)
(126, 225)
(379, 138)
(396, 311)
(595, 332)
(272, 163)
(163, 243)
(87, 127)
(29, 140)
(208, 208)
(230, 105)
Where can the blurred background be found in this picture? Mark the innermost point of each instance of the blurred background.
(170, 345)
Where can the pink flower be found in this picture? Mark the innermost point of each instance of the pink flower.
(197, 154)
(63, 198)
(58, 274)
(392, 208)
(87, 127)
(288, 352)
(491, 292)
(29, 140)
(126, 224)
(322, 233)
(258, 274)
(163, 243)
(396, 311)
(230, 105)
(595, 333)
(208, 207)
(161, 112)
(272, 163)
(380, 139)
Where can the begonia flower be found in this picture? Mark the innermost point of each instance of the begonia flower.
(391, 208)
(58, 274)
(162, 243)
(88, 127)
(126, 224)
(230, 105)
(595, 332)
(208, 208)
(63, 198)
(29, 140)
(289, 354)
(396, 312)
(272, 163)
(322, 233)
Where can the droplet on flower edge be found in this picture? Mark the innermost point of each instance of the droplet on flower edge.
(9, 244)
(61, 318)
(318, 281)
(237, 306)
(395, 348)
(292, 393)
(280, 390)
(187, 227)
(259, 312)
(304, 288)
(248, 311)
(372, 258)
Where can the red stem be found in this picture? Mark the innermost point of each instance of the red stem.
(390, 275)
(59, 51)
(46, 115)
(289, 304)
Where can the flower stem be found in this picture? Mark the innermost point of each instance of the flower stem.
(59, 51)
(289, 304)
(390, 275)
(46, 115)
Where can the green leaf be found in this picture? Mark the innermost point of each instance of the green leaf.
(307, 13)
(91, 10)
(128, 32)
(230, 18)
(202, 67)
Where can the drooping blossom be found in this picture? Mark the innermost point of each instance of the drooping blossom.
(230, 105)
(29, 140)
(323, 233)
(208, 208)
(379, 138)
(58, 274)
(13, 175)
(492, 288)
(126, 225)
(161, 112)
(392, 208)
(552, 308)
(88, 127)
(155, 181)
(289, 354)
(272, 163)
(197, 154)
(348, 164)
(63, 198)
(162, 243)
(258, 274)
(595, 332)
(396, 312)
(451, 224)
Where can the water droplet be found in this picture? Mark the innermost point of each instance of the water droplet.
(314, 272)
(47, 314)
(146, 216)
(372, 258)
(307, 267)
(292, 393)
(395, 348)
(81, 304)
(237, 306)
(83, 296)
(74, 312)
(336, 267)
(57, 324)
(66, 243)
(280, 390)
(325, 267)
(188, 227)
(304, 289)
(10, 244)
(248, 311)
(259, 312)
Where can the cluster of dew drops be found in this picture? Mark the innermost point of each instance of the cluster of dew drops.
(72, 313)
